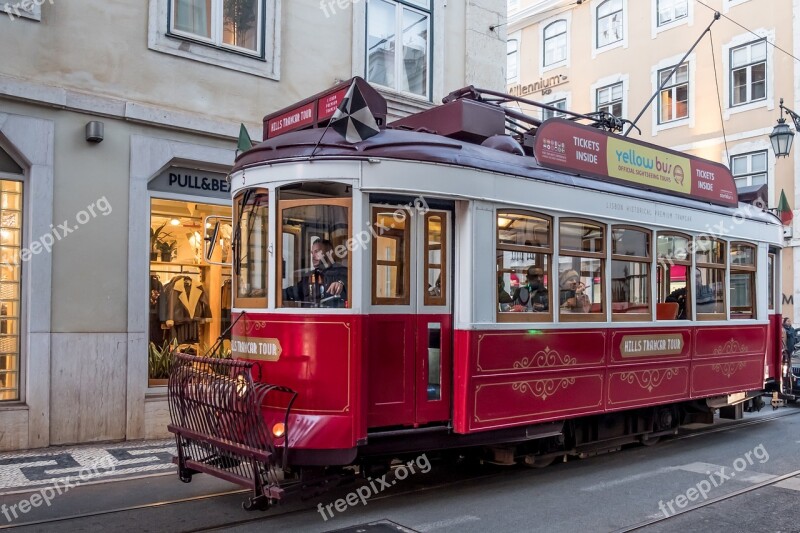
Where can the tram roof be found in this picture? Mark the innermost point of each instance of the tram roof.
(419, 146)
(470, 130)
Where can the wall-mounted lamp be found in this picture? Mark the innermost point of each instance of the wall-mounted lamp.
(782, 135)
(94, 131)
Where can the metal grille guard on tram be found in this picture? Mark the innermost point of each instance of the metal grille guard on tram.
(216, 416)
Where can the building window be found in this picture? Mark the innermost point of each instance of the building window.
(235, 24)
(10, 283)
(672, 10)
(512, 60)
(749, 73)
(555, 42)
(524, 256)
(743, 280)
(630, 273)
(673, 102)
(549, 113)
(609, 99)
(399, 63)
(609, 22)
(749, 169)
(580, 271)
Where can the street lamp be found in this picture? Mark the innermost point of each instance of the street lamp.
(782, 135)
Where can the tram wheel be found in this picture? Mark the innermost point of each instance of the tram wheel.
(534, 461)
(650, 441)
(184, 476)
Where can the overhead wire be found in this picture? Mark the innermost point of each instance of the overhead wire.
(719, 95)
(749, 30)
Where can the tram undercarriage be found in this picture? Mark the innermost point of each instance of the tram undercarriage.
(220, 431)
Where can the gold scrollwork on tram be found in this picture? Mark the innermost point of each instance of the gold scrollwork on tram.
(649, 379)
(732, 346)
(544, 359)
(542, 388)
(728, 369)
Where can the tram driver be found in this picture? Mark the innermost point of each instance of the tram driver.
(324, 285)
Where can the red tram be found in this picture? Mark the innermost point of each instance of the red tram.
(471, 277)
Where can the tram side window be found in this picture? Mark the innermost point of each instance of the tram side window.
(743, 280)
(580, 270)
(630, 273)
(435, 259)
(771, 282)
(251, 241)
(672, 276)
(524, 257)
(390, 256)
(314, 245)
(709, 279)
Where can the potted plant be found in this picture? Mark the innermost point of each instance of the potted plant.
(159, 363)
(167, 249)
(156, 238)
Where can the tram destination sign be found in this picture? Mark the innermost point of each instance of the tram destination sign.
(313, 112)
(564, 145)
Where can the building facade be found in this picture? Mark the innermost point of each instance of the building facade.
(115, 146)
(721, 103)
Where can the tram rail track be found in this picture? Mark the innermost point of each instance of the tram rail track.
(735, 494)
(276, 515)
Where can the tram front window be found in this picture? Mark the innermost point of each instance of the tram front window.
(314, 246)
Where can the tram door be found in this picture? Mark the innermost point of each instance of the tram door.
(409, 352)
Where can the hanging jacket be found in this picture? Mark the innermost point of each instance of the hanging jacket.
(183, 301)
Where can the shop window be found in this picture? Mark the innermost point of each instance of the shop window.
(524, 272)
(398, 44)
(709, 279)
(672, 276)
(743, 280)
(630, 273)
(189, 299)
(10, 283)
(314, 245)
(581, 270)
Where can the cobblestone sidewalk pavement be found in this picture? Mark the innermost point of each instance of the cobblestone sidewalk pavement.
(26, 471)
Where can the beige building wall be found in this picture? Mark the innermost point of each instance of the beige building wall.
(163, 101)
(713, 129)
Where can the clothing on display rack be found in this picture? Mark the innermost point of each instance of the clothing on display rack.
(156, 333)
(182, 307)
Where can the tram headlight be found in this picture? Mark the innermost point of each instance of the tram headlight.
(279, 430)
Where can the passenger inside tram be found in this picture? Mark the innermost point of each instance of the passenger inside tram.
(573, 293)
(324, 285)
(532, 297)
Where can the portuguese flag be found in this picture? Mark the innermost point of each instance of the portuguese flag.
(784, 210)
